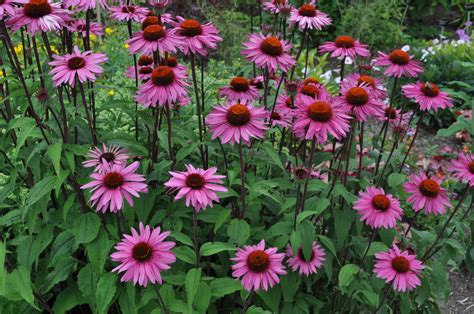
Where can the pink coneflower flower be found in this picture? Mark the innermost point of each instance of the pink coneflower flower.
(345, 46)
(39, 16)
(310, 89)
(128, 12)
(112, 155)
(401, 268)
(154, 38)
(79, 26)
(143, 73)
(376, 86)
(299, 261)
(115, 183)
(427, 194)
(144, 255)
(258, 267)
(393, 115)
(378, 209)
(428, 96)
(83, 65)
(159, 4)
(463, 168)
(283, 7)
(197, 185)
(8, 7)
(166, 85)
(360, 101)
(239, 90)
(318, 118)
(302, 172)
(399, 63)
(236, 122)
(280, 119)
(84, 5)
(268, 52)
(309, 17)
(284, 105)
(172, 62)
(197, 38)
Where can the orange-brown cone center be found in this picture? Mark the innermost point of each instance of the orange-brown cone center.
(366, 80)
(76, 63)
(128, 9)
(113, 180)
(401, 264)
(37, 8)
(272, 46)
(399, 57)
(381, 202)
(150, 20)
(470, 166)
(108, 157)
(345, 42)
(301, 255)
(307, 10)
(320, 111)
(258, 261)
(191, 28)
(154, 32)
(238, 115)
(390, 113)
(142, 252)
(171, 62)
(195, 181)
(145, 70)
(289, 102)
(240, 84)
(357, 96)
(429, 188)
(310, 90)
(163, 76)
(430, 90)
(144, 61)
(311, 80)
(276, 116)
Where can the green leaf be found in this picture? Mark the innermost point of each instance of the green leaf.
(186, 254)
(67, 299)
(98, 251)
(86, 228)
(268, 148)
(238, 231)
(347, 274)
(2, 267)
(321, 205)
(224, 286)
(105, 293)
(185, 151)
(31, 248)
(181, 237)
(203, 297)
(41, 189)
(62, 271)
(211, 248)
(306, 232)
(20, 279)
(87, 282)
(223, 215)
(395, 179)
(54, 153)
(193, 277)
(376, 247)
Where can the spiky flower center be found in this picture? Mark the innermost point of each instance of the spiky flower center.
(399, 57)
(357, 96)
(390, 113)
(108, 157)
(171, 62)
(301, 173)
(429, 89)
(76, 63)
(128, 9)
(401, 264)
(276, 116)
(310, 90)
(320, 111)
(280, 2)
(258, 261)
(345, 42)
(142, 251)
(429, 188)
(113, 180)
(240, 84)
(301, 255)
(238, 115)
(366, 80)
(307, 10)
(310, 80)
(272, 46)
(150, 20)
(381, 202)
(144, 61)
(191, 28)
(195, 181)
(163, 76)
(470, 166)
(289, 102)
(145, 70)
(154, 32)
(37, 8)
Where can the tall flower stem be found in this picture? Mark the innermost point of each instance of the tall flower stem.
(247, 302)
(170, 144)
(160, 299)
(298, 54)
(411, 223)
(343, 65)
(196, 237)
(372, 238)
(446, 224)
(385, 125)
(198, 108)
(88, 116)
(310, 166)
(412, 141)
(130, 33)
(361, 149)
(306, 57)
(242, 180)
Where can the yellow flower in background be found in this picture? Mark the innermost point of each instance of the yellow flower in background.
(111, 92)
(126, 46)
(1, 73)
(108, 30)
(18, 49)
(54, 50)
(93, 37)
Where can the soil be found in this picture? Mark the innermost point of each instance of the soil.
(461, 299)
